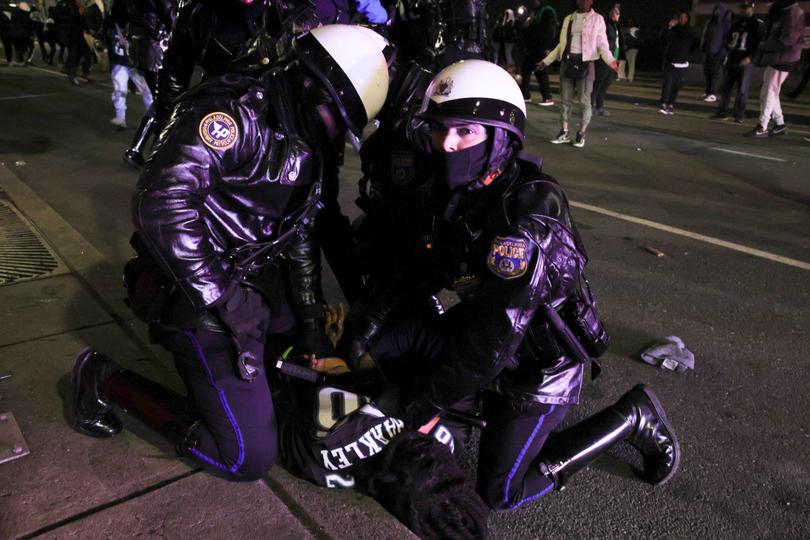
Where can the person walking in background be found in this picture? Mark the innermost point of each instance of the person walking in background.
(38, 18)
(604, 75)
(52, 38)
(712, 45)
(21, 31)
(504, 40)
(632, 42)
(5, 33)
(779, 50)
(679, 42)
(539, 37)
(68, 20)
(743, 39)
(583, 40)
(121, 71)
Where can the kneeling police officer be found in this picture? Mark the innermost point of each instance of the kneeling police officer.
(499, 232)
(222, 217)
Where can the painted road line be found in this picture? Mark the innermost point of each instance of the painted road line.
(30, 96)
(95, 82)
(695, 236)
(748, 154)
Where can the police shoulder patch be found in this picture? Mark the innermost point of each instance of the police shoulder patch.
(508, 257)
(218, 130)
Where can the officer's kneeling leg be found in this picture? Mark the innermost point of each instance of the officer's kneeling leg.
(237, 432)
(515, 434)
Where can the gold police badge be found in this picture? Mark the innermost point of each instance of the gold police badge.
(508, 257)
(218, 131)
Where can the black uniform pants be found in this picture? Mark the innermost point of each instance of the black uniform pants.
(508, 471)
(237, 432)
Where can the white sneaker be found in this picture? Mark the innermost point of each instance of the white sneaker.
(580, 140)
(120, 123)
(561, 138)
(711, 98)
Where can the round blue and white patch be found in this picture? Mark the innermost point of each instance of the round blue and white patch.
(508, 257)
(218, 131)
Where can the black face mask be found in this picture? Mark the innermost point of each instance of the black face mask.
(464, 166)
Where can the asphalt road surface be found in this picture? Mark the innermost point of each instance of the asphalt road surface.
(730, 215)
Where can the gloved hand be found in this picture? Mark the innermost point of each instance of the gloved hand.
(311, 338)
(244, 313)
(363, 334)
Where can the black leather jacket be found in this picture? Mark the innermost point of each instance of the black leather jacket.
(222, 37)
(506, 249)
(227, 171)
(149, 23)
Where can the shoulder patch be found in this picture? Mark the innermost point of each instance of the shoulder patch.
(218, 131)
(508, 257)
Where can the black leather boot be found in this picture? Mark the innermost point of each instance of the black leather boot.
(638, 417)
(92, 413)
(134, 154)
(99, 384)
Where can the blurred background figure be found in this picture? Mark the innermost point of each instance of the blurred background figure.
(712, 45)
(679, 42)
(539, 38)
(5, 33)
(742, 43)
(121, 72)
(21, 32)
(52, 38)
(149, 23)
(503, 40)
(38, 18)
(604, 75)
(632, 42)
(67, 17)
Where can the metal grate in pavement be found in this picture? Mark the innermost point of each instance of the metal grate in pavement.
(23, 254)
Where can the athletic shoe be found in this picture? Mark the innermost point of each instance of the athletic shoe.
(779, 129)
(739, 121)
(120, 123)
(670, 110)
(663, 109)
(602, 112)
(580, 140)
(709, 98)
(760, 131)
(73, 80)
(719, 116)
(546, 103)
(807, 139)
(561, 138)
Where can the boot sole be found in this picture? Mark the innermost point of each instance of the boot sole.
(659, 410)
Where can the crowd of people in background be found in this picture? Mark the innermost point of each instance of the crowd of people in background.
(731, 43)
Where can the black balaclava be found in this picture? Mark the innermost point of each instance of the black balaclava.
(472, 167)
(463, 167)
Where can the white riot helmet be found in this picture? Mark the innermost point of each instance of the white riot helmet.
(351, 62)
(479, 92)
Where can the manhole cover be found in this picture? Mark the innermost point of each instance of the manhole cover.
(23, 255)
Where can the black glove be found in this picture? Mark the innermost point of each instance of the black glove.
(244, 313)
(363, 333)
(312, 339)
